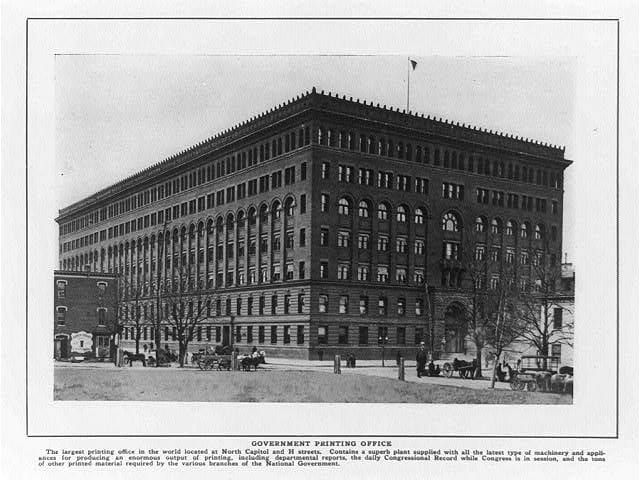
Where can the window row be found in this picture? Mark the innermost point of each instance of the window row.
(367, 335)
(437, 155)
(363, 307)
(213, 170)
(271, 334)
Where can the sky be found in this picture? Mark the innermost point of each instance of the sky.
(118, 114)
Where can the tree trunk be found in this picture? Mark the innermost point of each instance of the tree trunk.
(495, 365)
(137, 344)
(181, 352)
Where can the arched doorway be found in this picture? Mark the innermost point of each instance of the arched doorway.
(454, 328)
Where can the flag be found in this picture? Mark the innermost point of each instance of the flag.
(414, 64)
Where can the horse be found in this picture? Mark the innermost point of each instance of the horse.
(543, 381)
(562, 383)
(130, 357)
(247, 361)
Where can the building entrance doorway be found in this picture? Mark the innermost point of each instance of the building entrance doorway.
(102, 346)
(454, 329)
(61, 347)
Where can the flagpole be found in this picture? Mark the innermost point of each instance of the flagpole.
(408, 80)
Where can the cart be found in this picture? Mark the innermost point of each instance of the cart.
(465, 369)
(534, 372)
(209, 362)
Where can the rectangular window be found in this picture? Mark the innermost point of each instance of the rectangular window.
(363, 335)
(383, 243)
(324, 203)
(303, 171)
(382, 306)
(325, 170)
(324, 237)
(343, 334)
(324, 270)
(301, 270)
(249, 334)
(286, 337)
(363, 273)
(303, 237)
(343, 307)
(402, 306)
(300, 334)
(323, 303)
(383, 335)
(452, 191)
(323, 334)
(364, 305)
(557, 317)
(61, 313)
(274, 304)
(62, 289)
(260, 334)
(383, 274)
(401, 335)
(344, 239)
(274, 334)
(556, 350)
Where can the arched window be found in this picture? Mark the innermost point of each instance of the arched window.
(481, 224)
(363, 209)
(539, 232)
(419, 216)
(276, 209)
(509, 228)
(289, 205)
(229, 224)
(450, 222)
(524, 230)
(343, 206)
(383, 211)
(496, 226)
(401, 215)
(264, 213)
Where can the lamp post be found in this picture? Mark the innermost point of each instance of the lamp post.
(383, 341)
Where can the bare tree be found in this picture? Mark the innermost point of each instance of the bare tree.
(505, 326)
(132, 297)
(540, 305)
(185, 309)
(474, 264)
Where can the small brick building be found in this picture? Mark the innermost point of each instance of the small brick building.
(84, 319)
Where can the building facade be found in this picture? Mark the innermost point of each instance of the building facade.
(323, 226)
(85, 307)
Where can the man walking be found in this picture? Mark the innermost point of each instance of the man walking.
(421, 359)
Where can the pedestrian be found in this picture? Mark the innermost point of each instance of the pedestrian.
(421, 359)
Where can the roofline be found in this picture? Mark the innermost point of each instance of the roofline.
(309, 101)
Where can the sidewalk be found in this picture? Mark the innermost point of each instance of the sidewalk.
(363, 368)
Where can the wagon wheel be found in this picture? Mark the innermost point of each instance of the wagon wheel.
(201, 365)
(447, 369)
(516, 384)
(210, 364)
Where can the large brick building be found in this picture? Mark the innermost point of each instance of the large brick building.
(317, 226)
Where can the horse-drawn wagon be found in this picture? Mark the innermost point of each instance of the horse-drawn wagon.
(465, 369)
(534, 373)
